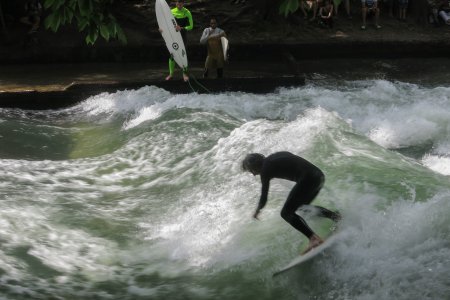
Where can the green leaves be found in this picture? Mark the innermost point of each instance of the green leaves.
(104, 31)
(289, 7)
(92, 16)
(92, 36)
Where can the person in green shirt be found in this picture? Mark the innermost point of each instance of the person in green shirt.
(184, 24)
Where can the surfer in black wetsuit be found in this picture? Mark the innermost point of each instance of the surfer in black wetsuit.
(309, 181)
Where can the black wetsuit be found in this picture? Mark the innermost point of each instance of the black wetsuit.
(309, 179)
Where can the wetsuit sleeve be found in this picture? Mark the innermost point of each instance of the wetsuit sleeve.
(204, 37)
(265, 183)
(191, 22)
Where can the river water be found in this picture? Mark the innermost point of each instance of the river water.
(139, 194)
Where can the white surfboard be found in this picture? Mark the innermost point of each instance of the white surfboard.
(173, 39)
(305, 257)
(224, 41)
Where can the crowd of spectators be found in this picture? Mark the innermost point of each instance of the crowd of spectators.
(322, 12)
(326, 11)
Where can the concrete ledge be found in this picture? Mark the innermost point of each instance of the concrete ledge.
(75, 93)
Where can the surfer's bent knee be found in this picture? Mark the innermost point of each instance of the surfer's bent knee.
(288, 215)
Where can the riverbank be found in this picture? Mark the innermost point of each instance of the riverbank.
(260, 48)
(254, 35)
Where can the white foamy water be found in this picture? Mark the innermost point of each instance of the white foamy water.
(139, 194)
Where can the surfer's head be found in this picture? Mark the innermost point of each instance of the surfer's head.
(213, 23)
(253, 163)
(179, 4)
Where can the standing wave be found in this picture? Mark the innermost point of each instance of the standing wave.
(148, 201)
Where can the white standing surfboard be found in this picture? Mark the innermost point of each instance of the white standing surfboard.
(173, 39)
(305, 257)
(224, 41)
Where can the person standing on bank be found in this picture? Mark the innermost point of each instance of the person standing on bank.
(309, 180)
(211, 38)
(370, 7)
(184, 24)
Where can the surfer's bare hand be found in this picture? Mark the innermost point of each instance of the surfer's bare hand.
(178, 28)
(160, 30)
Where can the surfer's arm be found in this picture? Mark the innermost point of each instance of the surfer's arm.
(263, 199)
(217, 35)
(204, 37)
(190, 21)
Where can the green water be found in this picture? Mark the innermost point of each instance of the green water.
(139, 195)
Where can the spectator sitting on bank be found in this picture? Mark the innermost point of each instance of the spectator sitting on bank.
(33, 11)
(317, 5)
(433, 9)
(444, 12)
(307, 6)
(369, 8)
(346, 5)
(402, 7)
(326, 14)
